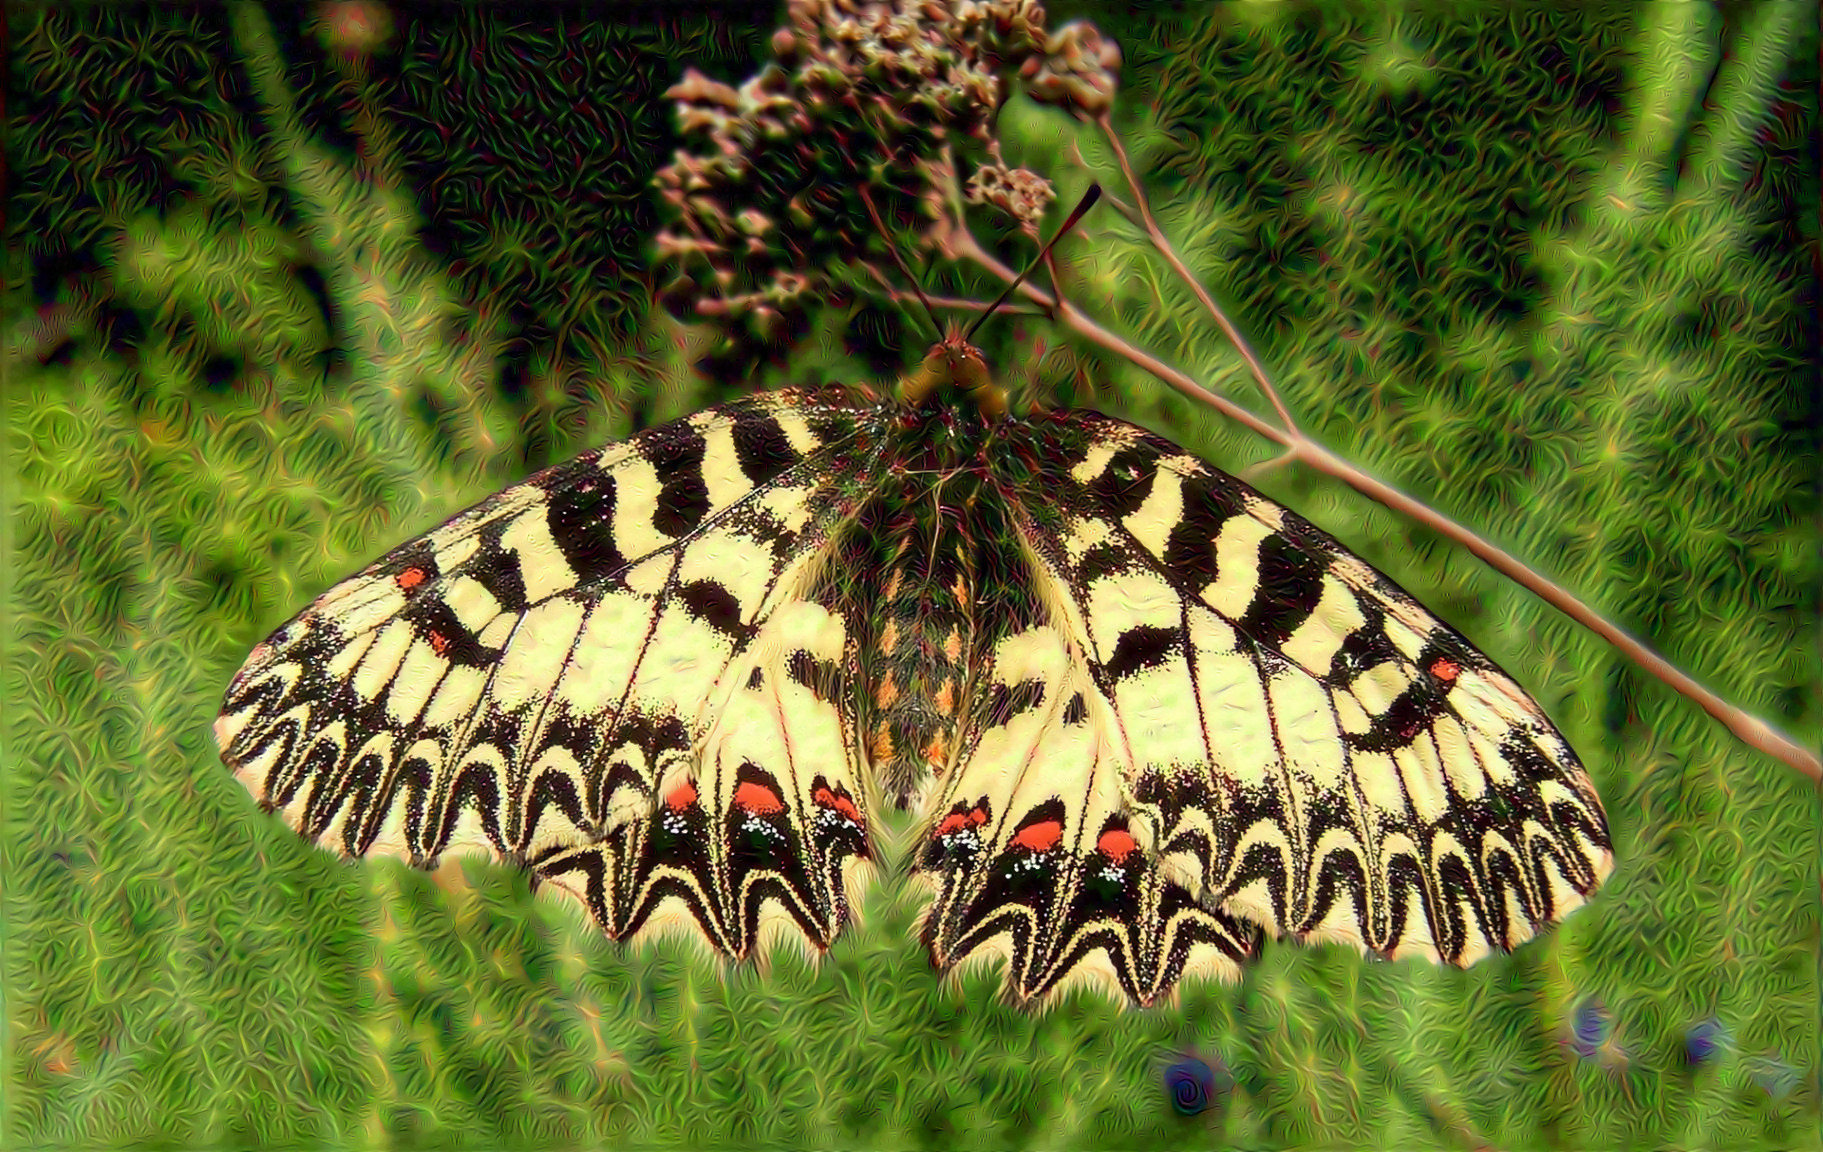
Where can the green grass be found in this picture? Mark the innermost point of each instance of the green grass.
(1546, 267)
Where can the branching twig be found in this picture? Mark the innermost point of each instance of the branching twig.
(1177, 265)
(961, 244)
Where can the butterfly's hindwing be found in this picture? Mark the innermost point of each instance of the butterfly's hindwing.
(1038, 857)
(592, 673)
(1284, 737)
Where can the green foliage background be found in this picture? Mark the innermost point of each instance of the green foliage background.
(1549, 266)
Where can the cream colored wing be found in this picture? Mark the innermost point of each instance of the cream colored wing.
(608, 674)
(1212, 718)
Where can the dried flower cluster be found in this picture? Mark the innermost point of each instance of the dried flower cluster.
(1077, 70)
(1021, 194)
(890, 97)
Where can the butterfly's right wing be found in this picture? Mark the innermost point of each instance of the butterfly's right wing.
(1204, 718)
(614, 673)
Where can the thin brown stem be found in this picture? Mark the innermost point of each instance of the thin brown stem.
(961, 244)
(1177, 265)
(901, 296)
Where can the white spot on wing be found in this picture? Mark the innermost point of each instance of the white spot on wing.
(682, 663)
(636, 491)
(731, 560)
(1459, 763)
(343, 663)
(1237, 566)
(382, 660)
(362, 603)
(418, 677)
(649, 577)
(1380, 784)
(1266, 512)
(1379, 686)
(1491, 702)
(797, 432)
(1085, 533)
(1095, 461)
(471, 603)
(1404, 637)
(1314, 644)
(1423, 776)
(1156, 707)
(541, 644)
(1354, 718)
(456, 697)
(1307, 732)
(788, 505)
(723, 480)
(1234, 707)
(1151, 523)
(452, 545)
(1127, 600)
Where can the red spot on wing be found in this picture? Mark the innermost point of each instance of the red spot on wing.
(957, 821)
(410, 578)
(681, 796)
(439, 643)
(758, 799)
(1116, 844)
(1445, 669)
(841, 804)
(1040, 837)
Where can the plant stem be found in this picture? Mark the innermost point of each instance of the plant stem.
(1177, 265)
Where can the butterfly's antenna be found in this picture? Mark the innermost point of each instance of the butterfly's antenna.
(893, 249)
(1082, 207)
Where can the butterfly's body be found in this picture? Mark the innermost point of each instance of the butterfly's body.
(1145, 713)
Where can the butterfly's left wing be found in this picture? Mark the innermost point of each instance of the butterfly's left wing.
(1213, 719)
(619, 673)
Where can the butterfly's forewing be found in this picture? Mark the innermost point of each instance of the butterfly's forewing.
(1224, 719)
(612, 673)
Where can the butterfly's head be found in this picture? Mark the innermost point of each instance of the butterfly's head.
(955, 363)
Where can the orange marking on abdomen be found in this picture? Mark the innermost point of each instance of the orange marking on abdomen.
(1116, 844)
(936, 750)
(681, 796)
(945, 699)
(880, 748)
(886, 693)
(1040, 837)
(758, 799)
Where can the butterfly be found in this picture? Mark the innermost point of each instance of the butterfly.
(1146, 716)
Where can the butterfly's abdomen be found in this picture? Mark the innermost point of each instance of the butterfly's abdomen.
(917, 631)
